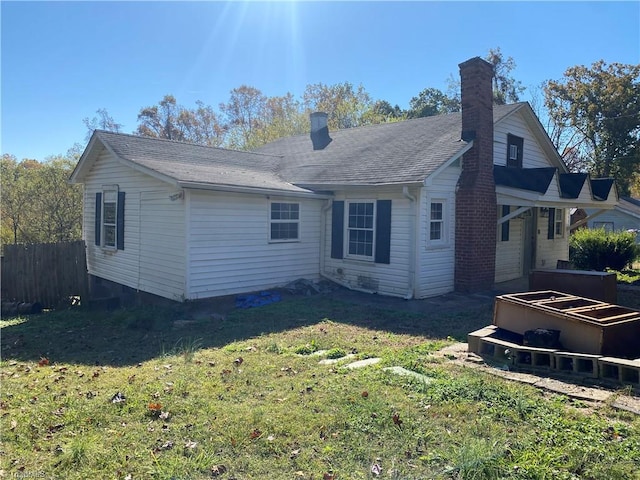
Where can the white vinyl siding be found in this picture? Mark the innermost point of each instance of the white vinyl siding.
(533, 155)
(549, 251)
(436, 261)
(387, 279)
(124, 266)
(509, 254)
(229, 247)
(162, 252)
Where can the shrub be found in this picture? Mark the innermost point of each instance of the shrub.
(597, 249)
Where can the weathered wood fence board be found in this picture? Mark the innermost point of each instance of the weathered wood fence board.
(47, 273)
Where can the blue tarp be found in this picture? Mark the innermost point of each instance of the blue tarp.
(257, 300)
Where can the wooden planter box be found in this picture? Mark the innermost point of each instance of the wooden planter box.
(598, 285)
(585, 325)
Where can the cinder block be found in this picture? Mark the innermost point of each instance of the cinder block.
(498, 349)
(620, 369)
(473, 338)
(585, 364)
(535, 357)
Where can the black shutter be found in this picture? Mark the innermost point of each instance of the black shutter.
(120, 222)
(505, 225)
(383, 231)
(98, 217)
(337, 229)
(552, 223)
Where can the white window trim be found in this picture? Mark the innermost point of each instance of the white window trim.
(443, 241)
(271, 222)
(560, 221)
(608, 226)
(103, 244)
(347, 230)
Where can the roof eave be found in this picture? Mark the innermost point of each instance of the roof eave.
(251, 190)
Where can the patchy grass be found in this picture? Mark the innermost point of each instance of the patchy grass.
(629, 277)
(172, 393)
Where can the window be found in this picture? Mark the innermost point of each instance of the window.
(368, 235)
(436, 221)
(285, 220)
(607, 226)
(360, 222)
(555, 227)
(515, 150)
(559, 223)
(109, 218)
(109, 209)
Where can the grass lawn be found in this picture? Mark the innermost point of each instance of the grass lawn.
(172, 393)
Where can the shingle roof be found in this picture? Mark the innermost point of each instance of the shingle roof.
(401, 152)
(197, 164)
(571, 184)
(532, 179)
(390, 153)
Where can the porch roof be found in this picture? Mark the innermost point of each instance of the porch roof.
(547, 187)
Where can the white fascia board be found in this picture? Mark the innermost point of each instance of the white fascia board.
(86, 161)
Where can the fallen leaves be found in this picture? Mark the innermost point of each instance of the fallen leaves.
(396, 419)
(118, 398)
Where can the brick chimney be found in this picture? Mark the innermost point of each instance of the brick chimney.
(476, 209)
(319, 130)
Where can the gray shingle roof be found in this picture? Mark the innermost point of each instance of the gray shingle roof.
(401, 152)
(390, 153)
(196, 164)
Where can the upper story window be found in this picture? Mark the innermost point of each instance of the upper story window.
(285, 221)
(515, 147)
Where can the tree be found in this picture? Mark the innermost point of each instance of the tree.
(506, 89)
(432, 101)
(283, 117)
(37, 202)
(598, 108)
(172, 121)
(244, 113)
(103, 121)
(345, 105)
(161, 121)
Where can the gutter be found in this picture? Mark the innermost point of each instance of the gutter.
(252, 190)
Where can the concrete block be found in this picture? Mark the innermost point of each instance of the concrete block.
(584, 364)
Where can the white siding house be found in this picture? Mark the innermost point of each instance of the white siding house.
(383, 208)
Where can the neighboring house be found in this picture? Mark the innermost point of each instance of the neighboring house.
(410, 209)
(624, 216)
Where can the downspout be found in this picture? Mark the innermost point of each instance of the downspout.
(412, 250)
(323, 231)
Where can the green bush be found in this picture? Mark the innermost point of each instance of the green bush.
(597, 249)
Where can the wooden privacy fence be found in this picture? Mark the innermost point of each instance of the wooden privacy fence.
(46, 273)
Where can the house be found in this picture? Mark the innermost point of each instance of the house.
(409, 209)
(624, 216)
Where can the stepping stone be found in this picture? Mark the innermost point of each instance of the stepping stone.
(363, 363)
(408, 373)
(331, 361)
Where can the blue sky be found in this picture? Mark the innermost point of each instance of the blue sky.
(62, 61)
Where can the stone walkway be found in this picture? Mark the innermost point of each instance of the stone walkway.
(458, 354)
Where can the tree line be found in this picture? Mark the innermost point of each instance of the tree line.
(592, 112)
